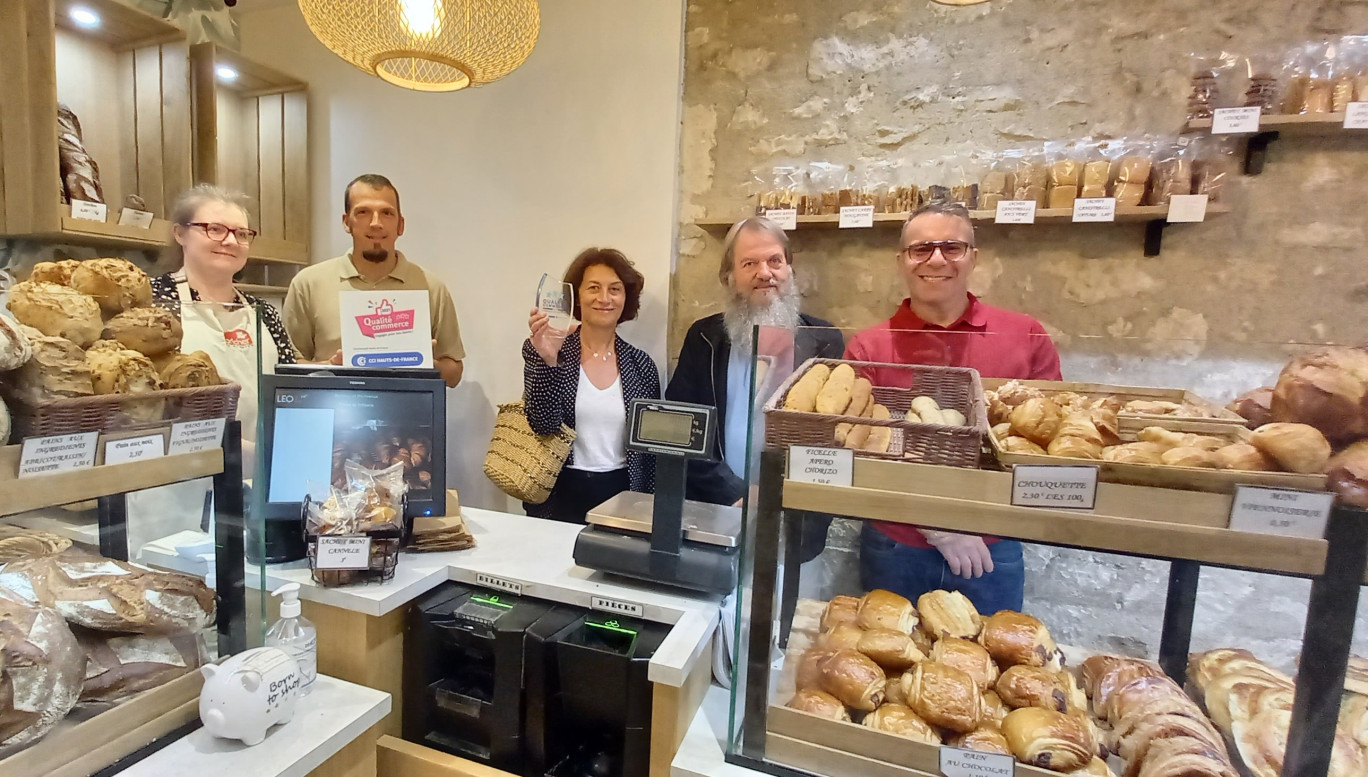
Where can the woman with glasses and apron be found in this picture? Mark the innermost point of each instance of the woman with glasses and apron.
(209, 241)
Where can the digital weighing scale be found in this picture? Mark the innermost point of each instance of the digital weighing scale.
(663, 537)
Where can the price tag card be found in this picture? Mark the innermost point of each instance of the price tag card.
(615, 606)
(857, 216)
(958, 762)
(1015, 212)
(511, 586)
(1186, 208)
(196, 436)
(1281, 511)
(786, 218)
(1235, 121)
(129, 217)
(342, 552)
(827, 466)
(1356, 116)
(1068, 487)
(62, 453)
(151, 446)
(91, 211)
(1094, 209)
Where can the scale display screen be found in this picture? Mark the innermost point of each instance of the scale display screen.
(667, 427)
(670, 428)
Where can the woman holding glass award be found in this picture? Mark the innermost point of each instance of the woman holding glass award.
(585, 376)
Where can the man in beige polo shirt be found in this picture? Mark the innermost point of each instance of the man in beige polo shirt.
(373, 220)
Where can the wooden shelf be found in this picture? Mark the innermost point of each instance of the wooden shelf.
(1304, 124)
(1155, 522)
(121, 28)
(1141, 213)
(103, 234)
(266, 249)
(20, 495)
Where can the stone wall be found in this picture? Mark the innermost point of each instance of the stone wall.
(769, 82)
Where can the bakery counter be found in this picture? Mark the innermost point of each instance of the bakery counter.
(330, 734)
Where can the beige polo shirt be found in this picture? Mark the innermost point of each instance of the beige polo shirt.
(314, 322)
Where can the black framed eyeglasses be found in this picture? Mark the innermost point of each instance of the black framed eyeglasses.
(952, 250)
(219, 232)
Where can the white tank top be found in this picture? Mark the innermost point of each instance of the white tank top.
(600, 427)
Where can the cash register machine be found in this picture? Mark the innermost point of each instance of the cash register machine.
(663, 537)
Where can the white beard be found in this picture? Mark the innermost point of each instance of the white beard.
(742, 316)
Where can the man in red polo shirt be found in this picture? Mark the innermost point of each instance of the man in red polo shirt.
(941, 323)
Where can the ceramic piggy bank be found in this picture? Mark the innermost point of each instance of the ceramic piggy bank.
(248, 693)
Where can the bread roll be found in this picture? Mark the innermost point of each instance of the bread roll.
(968, 657)
(879, 436)
(809, 672)
(1001, 431)
(1327, 389)
(1204, 442)
(57, 311)
(117, 284)
(1032, 686)
(1038, 420)
(58, 272)
(892, 650)
(842, 636)
(926, 406)
(1048, 739)
(1190, 457)
(151, 331)
(899, 719)
(57, 368)
(15, 348)
(189, 370)
(1014, 392)
(999, 412)
(803, 395)
(1160, 436)
(880, 609)
(836, 392)
(1074, 448)
(118, 370)
(1021, 445)
(1014, 638)
(948, 614)
(841, 609)
(1348, 474)
(855, 679)
(819, 703)
(987, 739)
(1243, 456)
(41, 674)
(943, 696)
(953, 417)
(1296, 447)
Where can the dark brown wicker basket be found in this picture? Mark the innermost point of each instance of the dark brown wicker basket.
(957, 388)
(109, 412)
(384, 559)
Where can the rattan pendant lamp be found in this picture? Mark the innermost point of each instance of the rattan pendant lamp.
(428, 45)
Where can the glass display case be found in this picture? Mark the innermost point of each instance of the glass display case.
(1196, 606)
(122, 531)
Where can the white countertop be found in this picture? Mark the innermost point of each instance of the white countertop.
(531, 552)
(703, 751)
(333, 715)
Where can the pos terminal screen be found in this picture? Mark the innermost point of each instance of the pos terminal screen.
(317, 431)
(664, 427)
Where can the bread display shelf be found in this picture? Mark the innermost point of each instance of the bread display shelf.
(1139, 213)
(78, 749)
(1129, 420)
(20, 495)
(1300, 124)
(1140, 520)
(105, 234)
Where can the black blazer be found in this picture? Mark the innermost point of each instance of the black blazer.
(701, 377)
(549, 398)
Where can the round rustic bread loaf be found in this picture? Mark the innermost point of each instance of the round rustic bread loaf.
(56, 369)
(108, 595)
(151, 331)
(1325, 388)
(189, 370)
(57, 311)
(43, 671)
(14, 345)
(118, 370)
(117, 284)
(58, 272)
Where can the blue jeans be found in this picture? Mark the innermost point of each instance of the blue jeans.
(903, 569)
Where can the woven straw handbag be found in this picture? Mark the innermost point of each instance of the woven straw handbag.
(522, 463)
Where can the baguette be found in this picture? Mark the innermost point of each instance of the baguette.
(803, 396)
(837, 391)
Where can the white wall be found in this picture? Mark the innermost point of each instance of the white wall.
(501, 183)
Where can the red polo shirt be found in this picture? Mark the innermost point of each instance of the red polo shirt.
(998, 343)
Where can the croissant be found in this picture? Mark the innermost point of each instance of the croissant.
(968, 657)
(1032, 686)
(1244, 456)
(809, 673)
(855, 679)
(1070, 401)
(890, 649)
(1134, 453)
(1074, 448)
(1204, 441)
(1203, 668)
(1104, 418)
(1080, 424)
(819, 703)
(845, 636)
(880, 609)
(1137, 736)
(1016, 444)
(944, 696)
(841, 609)
(1014, 392)
(948, 614)
(1182, 757)
(1184, 456)
(1128, 699)
(1048, 739)
(1014, 638)
(1037, 420)
(1104, 675)
(1160, 435)
(988, 739)
(900, 720)
(1095, 768)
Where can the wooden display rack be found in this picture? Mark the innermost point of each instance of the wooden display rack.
(252, 135)
(128, 83)
(1277, 125)
(1190, 529)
